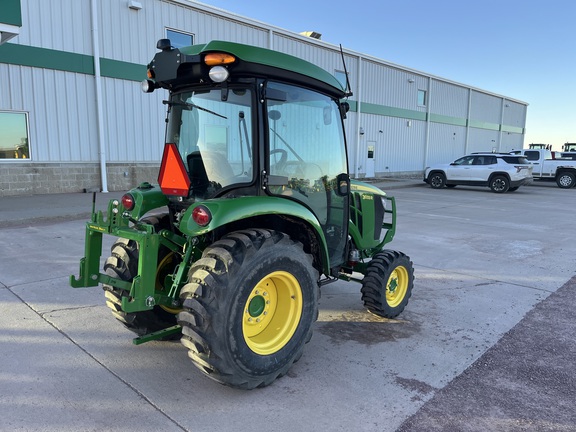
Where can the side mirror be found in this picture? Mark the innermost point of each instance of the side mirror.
(343, 184)
(344, 108)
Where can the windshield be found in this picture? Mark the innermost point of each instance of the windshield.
(214, 137)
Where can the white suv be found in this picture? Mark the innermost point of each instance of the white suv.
(501, 172)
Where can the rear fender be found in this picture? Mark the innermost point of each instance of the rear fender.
(226, 211)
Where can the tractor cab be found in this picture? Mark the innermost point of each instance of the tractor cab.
(253, 134)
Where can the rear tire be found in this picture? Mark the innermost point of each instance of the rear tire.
(499, 184)
(249, 307)
(566, 180)
(123, 264)
(388, 283)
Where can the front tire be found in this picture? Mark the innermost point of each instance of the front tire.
(499, 184)
(566, 180)
(437, 180)
(249, 307)
(388, 283)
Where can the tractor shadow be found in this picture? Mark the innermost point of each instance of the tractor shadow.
(365, 328)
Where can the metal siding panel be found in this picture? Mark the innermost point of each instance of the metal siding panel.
(395, 88)
(207, 26)
(449, 99)
(10, 87)
(328, 59)
(511, 141)
(133, 125)
(115, 134)
(485, 107)
(482, 140)
(64, 28)
(62, 116)
(403, 148)
(399, 148)
(59, 116)
(514, 114)
(446, 143)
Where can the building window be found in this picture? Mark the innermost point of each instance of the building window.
(14, 135)
(179, 39)
(422, 98)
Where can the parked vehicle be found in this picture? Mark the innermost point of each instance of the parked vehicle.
(501, 172)
(563, 170)
(540, 146)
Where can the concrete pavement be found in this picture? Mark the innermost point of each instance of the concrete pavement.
(486, 342)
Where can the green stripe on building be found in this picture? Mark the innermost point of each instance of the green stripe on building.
(24, 55)
(456, 121)
(122, 70)
(484, 125)
(10, 13)
(512, 129)
(369, 108)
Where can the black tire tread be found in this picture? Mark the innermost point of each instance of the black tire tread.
(374, 283)
(204, 294)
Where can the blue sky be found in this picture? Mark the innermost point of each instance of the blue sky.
(524, 50)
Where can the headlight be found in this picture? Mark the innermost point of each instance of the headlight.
(147, 86)
(219, 74)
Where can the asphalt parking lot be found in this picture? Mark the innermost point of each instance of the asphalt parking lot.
(486, 342)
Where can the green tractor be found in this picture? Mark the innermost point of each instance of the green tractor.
(253, 212)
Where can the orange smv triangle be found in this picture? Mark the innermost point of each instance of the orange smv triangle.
(173, 178)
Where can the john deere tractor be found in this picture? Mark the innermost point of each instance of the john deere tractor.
(253, 212)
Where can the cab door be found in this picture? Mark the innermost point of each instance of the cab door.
(306, 148)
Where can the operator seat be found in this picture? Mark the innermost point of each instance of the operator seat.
(208, 168)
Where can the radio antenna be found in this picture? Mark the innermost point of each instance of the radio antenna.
(348, 89)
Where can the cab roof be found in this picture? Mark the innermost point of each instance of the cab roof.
(253, 62)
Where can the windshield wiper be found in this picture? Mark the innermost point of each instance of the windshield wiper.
(190, 105)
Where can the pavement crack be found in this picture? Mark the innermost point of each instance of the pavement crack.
(42, 314)
(489, 280)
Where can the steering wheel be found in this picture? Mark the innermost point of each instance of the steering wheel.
(283, 158)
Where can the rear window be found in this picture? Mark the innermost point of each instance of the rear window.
(515, 159)
(532, 155)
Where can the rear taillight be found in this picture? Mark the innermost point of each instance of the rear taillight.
(128, 201)
(201, 215)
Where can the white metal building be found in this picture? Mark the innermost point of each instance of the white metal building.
(72, 116)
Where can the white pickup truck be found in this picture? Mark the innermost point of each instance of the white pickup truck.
(562, 170)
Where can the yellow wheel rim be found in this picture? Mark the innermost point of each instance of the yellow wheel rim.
(164, 269)
(272, 313)
(397, 286)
